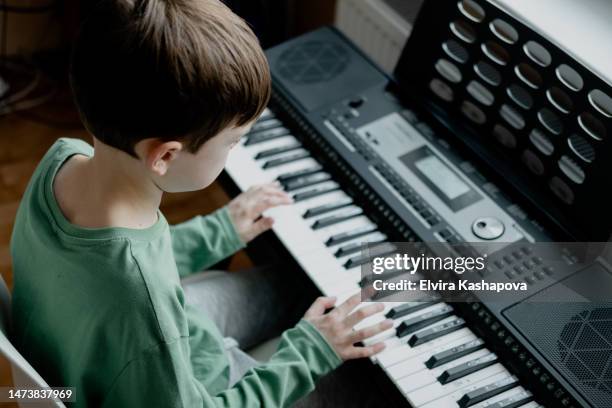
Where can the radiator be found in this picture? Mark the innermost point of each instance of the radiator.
(375, 27)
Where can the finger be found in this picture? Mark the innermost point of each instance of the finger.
(362, 313)
(320, 306)
(273, 187)
(351, 303)
(364, 352)
(269, 201)
(368, 291)
(260, 226)
(370, 331)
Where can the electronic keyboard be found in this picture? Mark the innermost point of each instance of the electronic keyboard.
(472, 141)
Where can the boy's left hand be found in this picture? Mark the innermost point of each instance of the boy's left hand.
(246, 209)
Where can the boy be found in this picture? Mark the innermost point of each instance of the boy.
(166, 88)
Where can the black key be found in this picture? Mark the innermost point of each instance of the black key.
(315, 192)
(514, 401)
(436, 332)
(355, 247)
(454, 353)
(322, 209)
(388, 275)
(336, 218)
(265, 124)
(298, 173)
(349, 235)
(488, 391)
(290, 158)
(367, 257)
(348, 249)
(469, 367)
(306, 181)
(277, 150)
(407, 308)
(266, 135)
(411, 325)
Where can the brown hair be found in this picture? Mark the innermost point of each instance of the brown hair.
(172, 69)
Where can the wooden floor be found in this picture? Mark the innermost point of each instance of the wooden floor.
(25, 137)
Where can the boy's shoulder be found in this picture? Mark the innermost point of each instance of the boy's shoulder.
(59, 152)
(65, 147)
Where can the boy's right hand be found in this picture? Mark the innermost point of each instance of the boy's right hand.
(337, 325)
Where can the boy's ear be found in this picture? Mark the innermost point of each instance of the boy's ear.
(159, 155)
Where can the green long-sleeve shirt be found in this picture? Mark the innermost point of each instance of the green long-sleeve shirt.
(103, 310)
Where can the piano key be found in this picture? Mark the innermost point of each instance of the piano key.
(323, 234)
(514, 398)
(267, 113)
(532, 404)
(306, 181)
(299, 173)
(369, 279)
(435, 332)
(315, 192)
(327, 207)
(252, 150)
(487, 391)
(392, 333)
(266, 135)
(273, 172)
(321, 259)
(300, 208)
(277, 150)
(407, 360)
(409, 307)
(409, 326)
(467, 368)
(342, 290)
(398, 350)
(436, 395)
(410, 375)
(340, 216)
(454, 353)
(361, 259)
(382, 315)
(265, 124)
(289, 158)
(357, 246)
(347, 236)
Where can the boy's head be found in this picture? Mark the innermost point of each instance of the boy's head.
(163, 80)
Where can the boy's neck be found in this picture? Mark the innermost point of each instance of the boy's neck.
(109, 189)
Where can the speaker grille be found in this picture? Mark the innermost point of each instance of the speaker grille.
(585, 347)
(312, 62)
(575, 337)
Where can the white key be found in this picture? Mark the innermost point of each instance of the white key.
(332, 197)
(410, 366)
(502, 396)
(272, 173)
(270, 144)
(532, 404)
(266, 114)
(395, 355)
(425, 376)
(437, 395)
(396, 322)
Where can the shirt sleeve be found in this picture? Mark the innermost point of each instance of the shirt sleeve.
(203, 241)
(162, 376)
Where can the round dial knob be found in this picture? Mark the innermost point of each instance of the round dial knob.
(488, 228)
